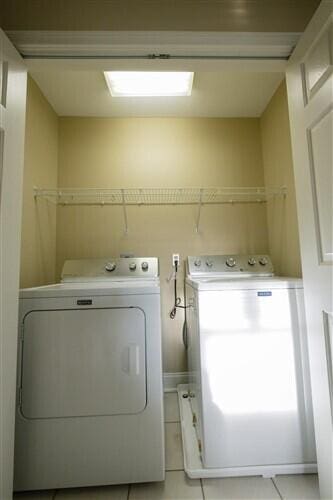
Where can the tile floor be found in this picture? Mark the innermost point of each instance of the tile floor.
(178, 487)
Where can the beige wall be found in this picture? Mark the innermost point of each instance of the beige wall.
(38, 247)
(160, 152)
(278, 171)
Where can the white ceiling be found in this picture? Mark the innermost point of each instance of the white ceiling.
(225, 93)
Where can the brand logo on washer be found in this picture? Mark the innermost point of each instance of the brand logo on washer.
(264, 294)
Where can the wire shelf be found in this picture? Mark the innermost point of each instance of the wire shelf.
(158, 196)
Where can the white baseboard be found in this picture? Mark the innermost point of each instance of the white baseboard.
(171, 380)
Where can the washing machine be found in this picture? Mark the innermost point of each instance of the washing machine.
(249, 387)
(89, 391)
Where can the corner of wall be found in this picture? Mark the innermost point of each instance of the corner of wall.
(278, 171)
(38, 243)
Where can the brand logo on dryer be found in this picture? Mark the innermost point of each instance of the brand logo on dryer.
(84, 302)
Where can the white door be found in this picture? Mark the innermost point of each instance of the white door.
(12, 124)
(83, 362)
(310, 94)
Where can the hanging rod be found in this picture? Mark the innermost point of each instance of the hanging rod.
(158, 196)
(184, 57)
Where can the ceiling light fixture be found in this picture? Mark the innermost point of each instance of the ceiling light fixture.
(149, 83)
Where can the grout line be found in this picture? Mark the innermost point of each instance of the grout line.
(128, 491)
(174, 470)
(202, 489)
(277, 489)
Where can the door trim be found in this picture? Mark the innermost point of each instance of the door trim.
(154, 44)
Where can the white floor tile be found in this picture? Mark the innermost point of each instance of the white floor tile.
(173, 447)
(175, 487)
(240, 488)
(298, 486)
(35, 495)
(171, 408)
(100, 493)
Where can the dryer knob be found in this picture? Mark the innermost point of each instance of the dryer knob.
(110, 266)
(144, 266)
(231, 262)
(209, 263)
(132, 266)
(263, 261)
(197, 263)
(251, 261)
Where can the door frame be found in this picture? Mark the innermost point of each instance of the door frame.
(154, 44)
(154, 50)
(12, 125)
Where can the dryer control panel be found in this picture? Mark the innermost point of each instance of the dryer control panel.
(110, 268)
(230, 265)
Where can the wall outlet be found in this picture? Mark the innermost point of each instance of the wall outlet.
(175, 259)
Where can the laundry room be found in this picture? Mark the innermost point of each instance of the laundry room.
(166, 154)
(164, 346)
(84, 149)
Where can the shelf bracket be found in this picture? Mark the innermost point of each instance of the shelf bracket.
(124, 211)
(199, 211)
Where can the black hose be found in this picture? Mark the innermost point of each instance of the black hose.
(185, 337)
(178, 300)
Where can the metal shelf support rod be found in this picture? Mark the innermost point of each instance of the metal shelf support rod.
(199, 211)
(124, 211)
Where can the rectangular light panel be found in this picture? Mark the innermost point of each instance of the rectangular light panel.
(149, 83)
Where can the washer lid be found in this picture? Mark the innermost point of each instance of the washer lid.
(224, 284)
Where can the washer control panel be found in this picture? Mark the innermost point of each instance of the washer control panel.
(230, 265)
(122, 268)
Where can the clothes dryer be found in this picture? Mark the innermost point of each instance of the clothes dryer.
(89, 392)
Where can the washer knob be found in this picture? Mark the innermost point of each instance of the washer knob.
(231, 262)
(197, 263)
(263, 261)
(132, 266)
(251, 261)
(144, 266)
(209, 263)
(110, 266)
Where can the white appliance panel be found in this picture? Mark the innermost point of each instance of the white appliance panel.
(255, 387)
(230, 266)
(86, 362)
(110, 269)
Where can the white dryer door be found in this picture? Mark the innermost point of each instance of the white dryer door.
(87, 362)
